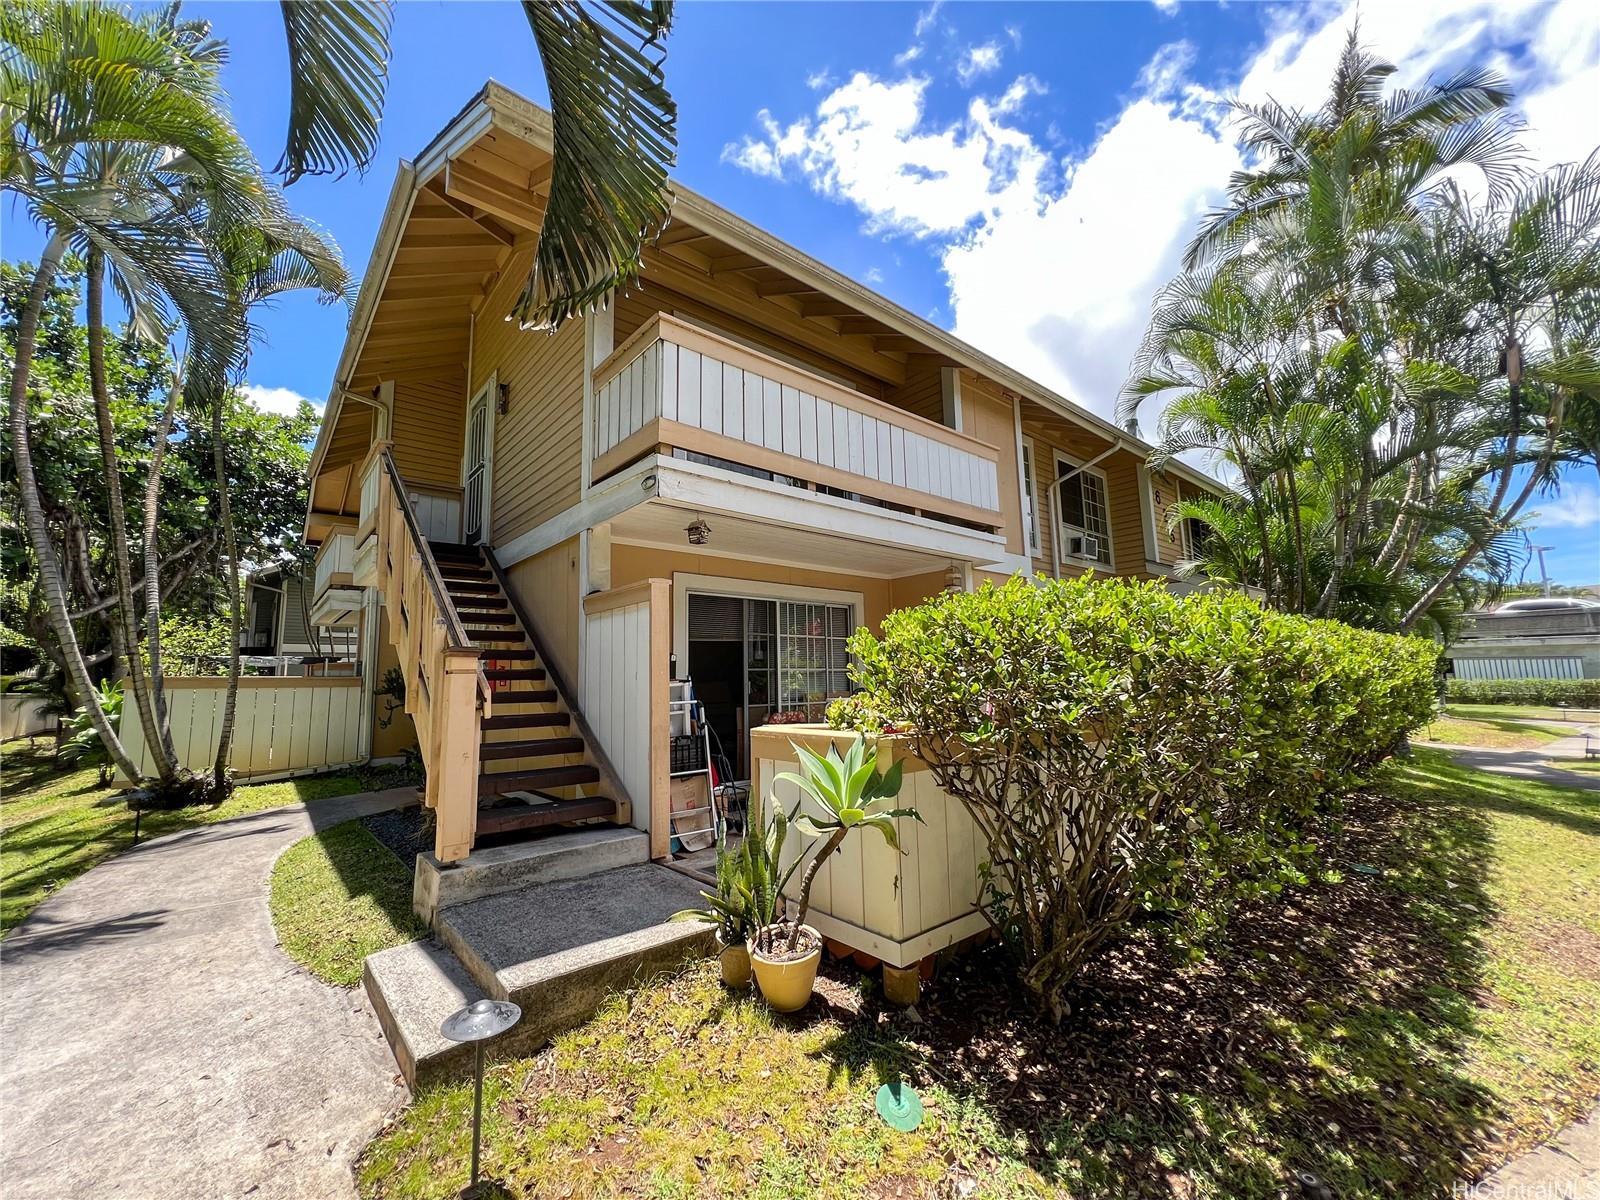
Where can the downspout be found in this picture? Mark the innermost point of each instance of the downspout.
(1055, 485)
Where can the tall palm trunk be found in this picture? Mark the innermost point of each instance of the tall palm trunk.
(50, 581)
(123, 614)
(219, 462)
(152, 565)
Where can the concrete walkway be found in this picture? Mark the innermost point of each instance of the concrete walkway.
(155, 1042)
(1532, 764)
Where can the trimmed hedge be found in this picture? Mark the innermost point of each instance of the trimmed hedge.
(1134, 753)
(1584, 692)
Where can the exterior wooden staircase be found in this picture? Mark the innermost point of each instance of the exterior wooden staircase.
(538, 762)
(503, 741)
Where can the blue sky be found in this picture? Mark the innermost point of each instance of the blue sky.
(1024, 174)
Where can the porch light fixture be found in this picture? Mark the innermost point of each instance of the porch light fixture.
(699, 532)
(478, 1023)
(955, 581)
(503, 403)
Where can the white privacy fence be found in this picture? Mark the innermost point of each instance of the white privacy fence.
(282, 726)
(624, 693)
(23, 716)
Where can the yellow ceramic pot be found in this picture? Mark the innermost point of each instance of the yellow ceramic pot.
(735, 964)
(787, 984)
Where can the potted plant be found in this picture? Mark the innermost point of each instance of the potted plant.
(749, 892)
(848, 791)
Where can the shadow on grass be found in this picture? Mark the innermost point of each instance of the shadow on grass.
(1325, 1038)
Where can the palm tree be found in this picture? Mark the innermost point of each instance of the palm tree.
(260, 265)
(98, 154)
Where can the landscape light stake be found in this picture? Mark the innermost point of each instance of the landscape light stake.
(478, 1023)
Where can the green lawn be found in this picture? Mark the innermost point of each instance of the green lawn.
(1426, 1017)
(55, 825)
(1525, 712)
(339, 896)
(1495, 733)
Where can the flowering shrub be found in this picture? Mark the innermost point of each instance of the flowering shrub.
(1133, 753)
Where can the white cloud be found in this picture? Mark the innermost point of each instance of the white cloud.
(281, 400)
(872, 276)
(979, 60)
(1577, 506)
(908, 56)
(1166, 6)
(1051, 263)
(927, 17)
(818, 80)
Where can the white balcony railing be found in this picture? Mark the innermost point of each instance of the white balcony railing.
(675, 384)
(335, 561)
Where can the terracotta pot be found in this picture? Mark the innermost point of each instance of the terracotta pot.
(735, 964)
(787, 985)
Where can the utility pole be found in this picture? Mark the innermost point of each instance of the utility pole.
(1544, 576)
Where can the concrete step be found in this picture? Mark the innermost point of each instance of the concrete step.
(558, 949)
(413, 988)
(488, 871)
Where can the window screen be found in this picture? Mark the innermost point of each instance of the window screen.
(1083, 510)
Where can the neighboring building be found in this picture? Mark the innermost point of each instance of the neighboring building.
(279, 632)
(730, 468)
(1541, 638)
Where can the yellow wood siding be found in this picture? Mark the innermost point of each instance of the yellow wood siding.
(547, 586)
(987, 415)
(1122, 493)
(429, 423)
(538, 441)
(923, 391)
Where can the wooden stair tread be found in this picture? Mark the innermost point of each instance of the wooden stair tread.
(471, 617)
(506, 818)
(526, 696)
(491, 784)
(476, 602)
(475, 587)
(536, 748)
(526, 720)
(510, 673)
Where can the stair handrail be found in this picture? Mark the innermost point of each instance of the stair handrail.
(455, 630)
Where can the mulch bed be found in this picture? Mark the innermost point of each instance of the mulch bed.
(406, 831)
(1137, 1091)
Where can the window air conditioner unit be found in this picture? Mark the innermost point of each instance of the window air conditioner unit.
(1083, 545)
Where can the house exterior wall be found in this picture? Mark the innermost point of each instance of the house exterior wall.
(401, 734)
(429, 425)
(547, 586)
(987, 415)
(538, 440)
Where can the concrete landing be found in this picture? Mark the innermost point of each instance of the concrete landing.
(499, 869)
(557, 949)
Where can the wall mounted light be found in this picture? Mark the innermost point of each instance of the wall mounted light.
(699, 532)
(955, 580)
(503, 404)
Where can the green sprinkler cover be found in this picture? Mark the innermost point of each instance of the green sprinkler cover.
(899, 1106)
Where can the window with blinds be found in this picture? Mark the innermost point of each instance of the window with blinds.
(1084, 512)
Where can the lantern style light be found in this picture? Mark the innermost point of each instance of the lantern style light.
(698, 531)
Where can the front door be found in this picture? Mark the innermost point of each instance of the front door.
(475, 471)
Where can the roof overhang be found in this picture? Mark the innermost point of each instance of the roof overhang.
(498, 108)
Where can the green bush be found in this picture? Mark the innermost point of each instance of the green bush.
(1133, 753)
(1579, 692)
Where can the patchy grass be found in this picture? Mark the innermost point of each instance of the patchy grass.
(1494, 734)
(1394, 1033)
(339, 896)
(55, 824)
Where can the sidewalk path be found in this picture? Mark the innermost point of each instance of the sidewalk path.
(1529, 764)
(155, 1042)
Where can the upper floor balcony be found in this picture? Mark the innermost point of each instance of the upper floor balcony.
(674, 386)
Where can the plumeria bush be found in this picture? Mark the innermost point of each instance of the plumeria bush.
(1131, 753)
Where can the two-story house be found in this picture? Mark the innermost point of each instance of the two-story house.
(720, 474)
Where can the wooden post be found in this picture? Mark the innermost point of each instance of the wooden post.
(456, 716)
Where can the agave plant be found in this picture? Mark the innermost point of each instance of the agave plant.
(750, 883)
(849, 790)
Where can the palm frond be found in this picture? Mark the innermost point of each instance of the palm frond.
(339, 73)
(615, 141)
